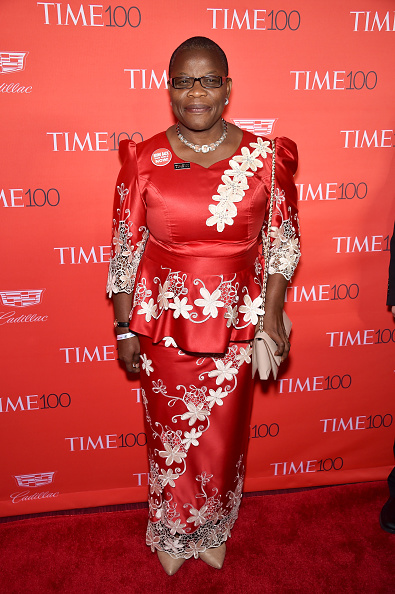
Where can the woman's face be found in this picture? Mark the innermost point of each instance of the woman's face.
(198, 108)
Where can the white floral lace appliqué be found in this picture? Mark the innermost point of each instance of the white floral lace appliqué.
(235, 182)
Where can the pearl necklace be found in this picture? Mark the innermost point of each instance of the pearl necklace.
(205, 148)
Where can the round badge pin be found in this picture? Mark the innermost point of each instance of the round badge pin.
(161, 157)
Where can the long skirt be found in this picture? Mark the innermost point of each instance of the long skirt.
(197, 413)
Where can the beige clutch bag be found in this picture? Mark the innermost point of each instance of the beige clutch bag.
(263, 358)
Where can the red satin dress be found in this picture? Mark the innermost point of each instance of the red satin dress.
(186, 243)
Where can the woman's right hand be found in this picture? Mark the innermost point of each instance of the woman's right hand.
(129, 353)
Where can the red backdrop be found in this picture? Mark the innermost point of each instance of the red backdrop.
(75, 79)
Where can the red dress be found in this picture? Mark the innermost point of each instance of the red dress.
(186, 244)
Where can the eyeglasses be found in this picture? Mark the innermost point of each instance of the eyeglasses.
(207, 82)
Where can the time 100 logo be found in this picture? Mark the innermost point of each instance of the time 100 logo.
(90, 15)
(14, 197)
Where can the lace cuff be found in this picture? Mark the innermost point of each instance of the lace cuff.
(284, 250)
(125, 262)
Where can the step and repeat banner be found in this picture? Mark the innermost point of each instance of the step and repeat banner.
(75, 79)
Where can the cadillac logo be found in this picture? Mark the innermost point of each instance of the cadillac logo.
(21, 298)
(258, 127)
(12, 62)
(34, 480)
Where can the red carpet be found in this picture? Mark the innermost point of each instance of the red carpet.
(317, 541)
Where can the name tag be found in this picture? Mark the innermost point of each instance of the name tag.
(182, 165)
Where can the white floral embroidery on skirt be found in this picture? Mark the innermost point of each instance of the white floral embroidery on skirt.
(188, 420)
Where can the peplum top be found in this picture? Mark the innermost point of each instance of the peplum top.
(186, 239)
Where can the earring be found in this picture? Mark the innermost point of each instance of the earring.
(171, 103)
(226, 101)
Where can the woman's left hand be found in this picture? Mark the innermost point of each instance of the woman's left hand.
(273, 325)
(273, 319)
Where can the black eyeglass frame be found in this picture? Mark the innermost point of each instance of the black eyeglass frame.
(194, 79)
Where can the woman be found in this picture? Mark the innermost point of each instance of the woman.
(186, 272)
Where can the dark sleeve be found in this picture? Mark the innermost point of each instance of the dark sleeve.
(391, 272)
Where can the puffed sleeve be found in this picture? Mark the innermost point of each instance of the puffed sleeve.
(129, 233)
(285, 232)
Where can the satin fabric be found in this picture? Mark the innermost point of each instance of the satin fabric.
(184, 255)
(197, 411)
(196, 287)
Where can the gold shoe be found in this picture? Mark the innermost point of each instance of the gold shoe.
(214, 557)
(170, 565)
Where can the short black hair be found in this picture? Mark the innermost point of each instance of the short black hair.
(200, 43)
